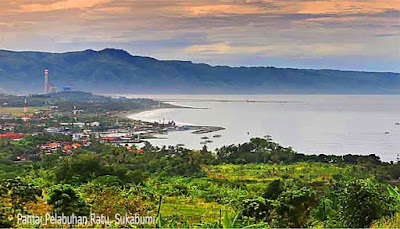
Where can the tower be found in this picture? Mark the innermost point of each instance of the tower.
(46, 87)
(25, 111)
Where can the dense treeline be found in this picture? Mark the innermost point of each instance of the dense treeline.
(262, 151)
(68, 100)
(258, 183)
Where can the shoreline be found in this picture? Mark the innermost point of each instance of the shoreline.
(196, 129)
(164, 105)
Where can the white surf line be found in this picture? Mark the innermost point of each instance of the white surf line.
(148, 116)
(233, 101)
(183, 106)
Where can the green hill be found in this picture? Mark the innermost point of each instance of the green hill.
(116, 71)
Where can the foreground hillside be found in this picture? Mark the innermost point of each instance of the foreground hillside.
(183, 188)
(117, 71)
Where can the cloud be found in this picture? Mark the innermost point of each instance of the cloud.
(388, 35)
(114, 10)
(61, 5)
(345, 7)
(208, 30)
(277, 50)
(5, 24)
(224, 9)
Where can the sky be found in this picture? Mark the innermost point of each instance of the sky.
(319, 34)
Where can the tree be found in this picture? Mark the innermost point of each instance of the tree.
(282, 206)
(79, 168)
(19, 193)
(256, 210)
(327, 213)
(66, 200)
(293, 206)
(363, 201)
(274, 190)
(4, 221)
(355, 203)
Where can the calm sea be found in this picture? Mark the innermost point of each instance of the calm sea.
(312, 124)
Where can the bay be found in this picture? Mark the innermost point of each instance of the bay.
(311, 124)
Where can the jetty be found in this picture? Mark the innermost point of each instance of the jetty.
(207, 129)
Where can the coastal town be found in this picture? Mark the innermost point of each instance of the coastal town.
(82, 118)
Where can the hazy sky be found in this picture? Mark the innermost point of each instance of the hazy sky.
(338, 34)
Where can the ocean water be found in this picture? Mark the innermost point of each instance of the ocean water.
(312, 124)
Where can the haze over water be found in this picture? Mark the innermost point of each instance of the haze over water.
(312, 124)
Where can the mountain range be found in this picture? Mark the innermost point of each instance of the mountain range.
(117, 71)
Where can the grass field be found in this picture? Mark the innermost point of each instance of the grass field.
(198, 211)
(268, 172)
(203, 198)
(19, 111)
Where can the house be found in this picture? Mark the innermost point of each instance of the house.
(52, 147)
(53, 130)
(94, 124)
(9, 127)
(79, 124)
(80, 136)
(13, 136)
(6, 116)
(76, 112)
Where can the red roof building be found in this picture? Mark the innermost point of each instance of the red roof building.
(13, 136)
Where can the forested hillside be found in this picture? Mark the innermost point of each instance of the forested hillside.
(116, 71)
(258, 184)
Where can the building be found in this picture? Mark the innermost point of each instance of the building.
(6, 116)
(94, 124)
(8, 127)
(46, 86)
(13, 136)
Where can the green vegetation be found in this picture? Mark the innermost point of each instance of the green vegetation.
(19, 111)
(72, 100)
(256, 184)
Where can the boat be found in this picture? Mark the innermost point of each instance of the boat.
(204, 137)
(217, 136)
(397, 124)
(203, 143)
(387, 132)
(208, 141)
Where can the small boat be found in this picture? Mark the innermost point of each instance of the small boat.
(397, 124)
(269, 137)
(203, 143)
(204, 137)
(387, 132)
(180, 145)
(208, 141)
(217, 136)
